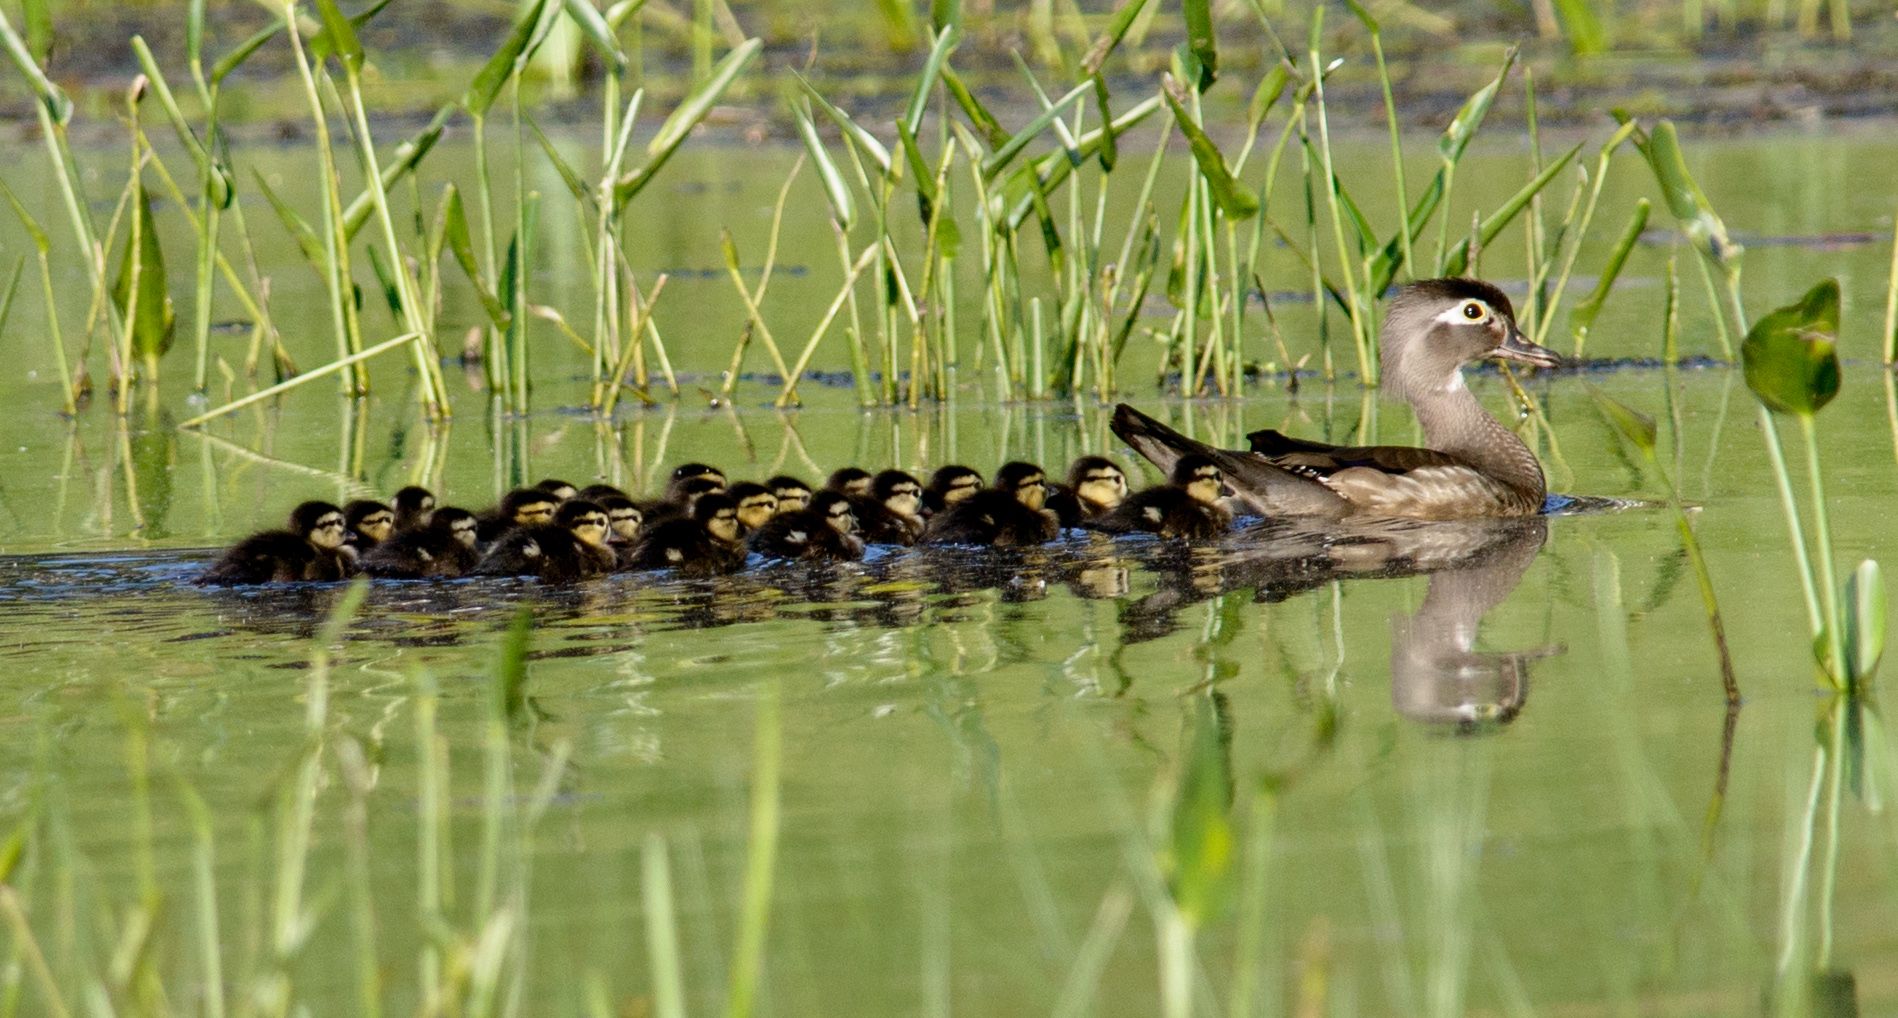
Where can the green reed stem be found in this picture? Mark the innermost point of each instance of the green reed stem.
(760, 855)
(308, 376)
(335, 245)
(662, 931)
(1891, 300)
(1822, 530)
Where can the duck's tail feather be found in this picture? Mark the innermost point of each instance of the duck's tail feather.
(1267, 489)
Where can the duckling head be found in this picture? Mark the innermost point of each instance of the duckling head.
(686, 473)
(1098, 481)
(953, 483)
(1027, 482)
(756, 503)
(1201, 479)
(792, 493)
(413, 505)
(899, 492)
(370, 520)
(321, 524)
(559, 489)
(528, 507)
(623, 516)
(586, 521)
(850, 481)
(692, 489)
(458, 524)
(717, 512)
(834, 507)
(600, 493)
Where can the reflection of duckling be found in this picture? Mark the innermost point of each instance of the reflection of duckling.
(559, 489)
(413, 505)
(792, 493)
(370, 523)
(1010, 513)
(572, 548)
(1095, 486)
(826, 530)
(311, 549)
(892, 512)
(522, 507)
(443, 549)
(1186, 507)
(849, 480)
(756, 504)
(705, 544)
(949, 485)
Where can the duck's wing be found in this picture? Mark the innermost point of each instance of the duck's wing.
(1396, 480)
(1264, 486)
(1325, 458)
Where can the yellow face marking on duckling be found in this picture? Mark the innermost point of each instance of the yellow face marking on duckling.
(534, 512)
(841, 519)
(625, 523)
(724, 526)
(754, 511)
(1207, 485)
(906, 499)
(464, 531)
(1105, 487)
(1033, 492)
(329, 531)
(961, 488)
(591, 528)
(791, 500)
(377, 525)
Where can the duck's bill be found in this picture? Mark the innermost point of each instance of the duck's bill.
(1516, 347)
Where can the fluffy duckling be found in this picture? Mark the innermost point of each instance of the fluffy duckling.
(826, 530)
(559, 489)
(892, 512)
(708, 543)
(1096, 485)
(413, 505)
(572, 548)
(310, 549)
(850, 481)
(624, 520)
(681, 497)
(522, 507)
(1010, 513)
(949, 485)
(686, 473)
(370, 523)
(756, 504)
(599, 493)
(443, 549)
(792, 493)
(1186, 507)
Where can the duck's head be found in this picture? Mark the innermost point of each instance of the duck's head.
(717, 512)
(1201, 479)
(369, 520)
(559, 489)
(756, 503)
(834, 507)
(850, 481)
(1027, 482)
(599, 493)
(585, 520)
(953, 483)
(792, 493)
(413, 505)
(321, 524)
(686, 473)
(1436, 326)
(899, 492)
(688, 492)
(622, 515)
(526, 507)
(458, 524)
(1098, 481)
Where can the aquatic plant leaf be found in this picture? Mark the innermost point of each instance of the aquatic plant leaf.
(926, 82)
(339, 34)
(51, 96)
(507, 693)
(1865, 607)
(1117, 28)
(598, 32)
(1233, 198)
(32, 226)
(13, 287)
(1582, 318)
(1582, 26)
(391, 294)
(1457, 260)
(1364, 17)
(945, 14)
(452, 222)
(1202, 41)
(978, 114)
(1791, 356)
(1634, 426)
(494, 74)
(841, 207)
(235, 58)
(1110, 146)
(697, 104)
(571, 178)
(216, 173)
(1007, 152)
(306, 238)
(1048, 172)
(919, 168)
(407, 156)
(38, 15)
(617, 14)
(194, 32)
(152, 318)
(1200, 848)
(1684, 197)
(1271, 88)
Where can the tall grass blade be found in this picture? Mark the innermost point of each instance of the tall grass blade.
(673, 132)
(1233, 198)
(1582, 318)
(1497, 221)
(502, 65)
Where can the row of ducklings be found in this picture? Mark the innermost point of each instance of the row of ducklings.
(704, 526)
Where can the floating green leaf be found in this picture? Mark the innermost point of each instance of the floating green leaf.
(1791, 355)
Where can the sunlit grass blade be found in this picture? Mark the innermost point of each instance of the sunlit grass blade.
(1007, 151)
(1233, 197)
(1495, 222)
(1582, 318)
(673, 132)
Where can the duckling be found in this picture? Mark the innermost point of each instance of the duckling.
(756, 504)
(949, 485)
(826, 530)
(599, 493)
(522, 507)
(559, 489)
(685, 473)
(572, 548)
(625, 519)
(413, 505)
(792, 493)
(1095, 486)
(370, 523)
(1010, 513)
(310, 549)
(1187, 507)
(850, 481)
(444, 549)
(892, 512)
(681, 497)
(706, 544)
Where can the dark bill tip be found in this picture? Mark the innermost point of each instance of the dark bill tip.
(1518, 348)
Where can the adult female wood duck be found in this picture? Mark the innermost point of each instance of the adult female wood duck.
(311, 548)
(443, 549)
(1473, 466)
(1008, 514)
(1186, 507)
(826, 530)
(1096, 485)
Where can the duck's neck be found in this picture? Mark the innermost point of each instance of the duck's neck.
(1454, 422)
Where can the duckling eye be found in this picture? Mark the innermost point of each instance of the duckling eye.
(1473, 311)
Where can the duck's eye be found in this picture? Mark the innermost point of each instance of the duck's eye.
(1473, 311)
